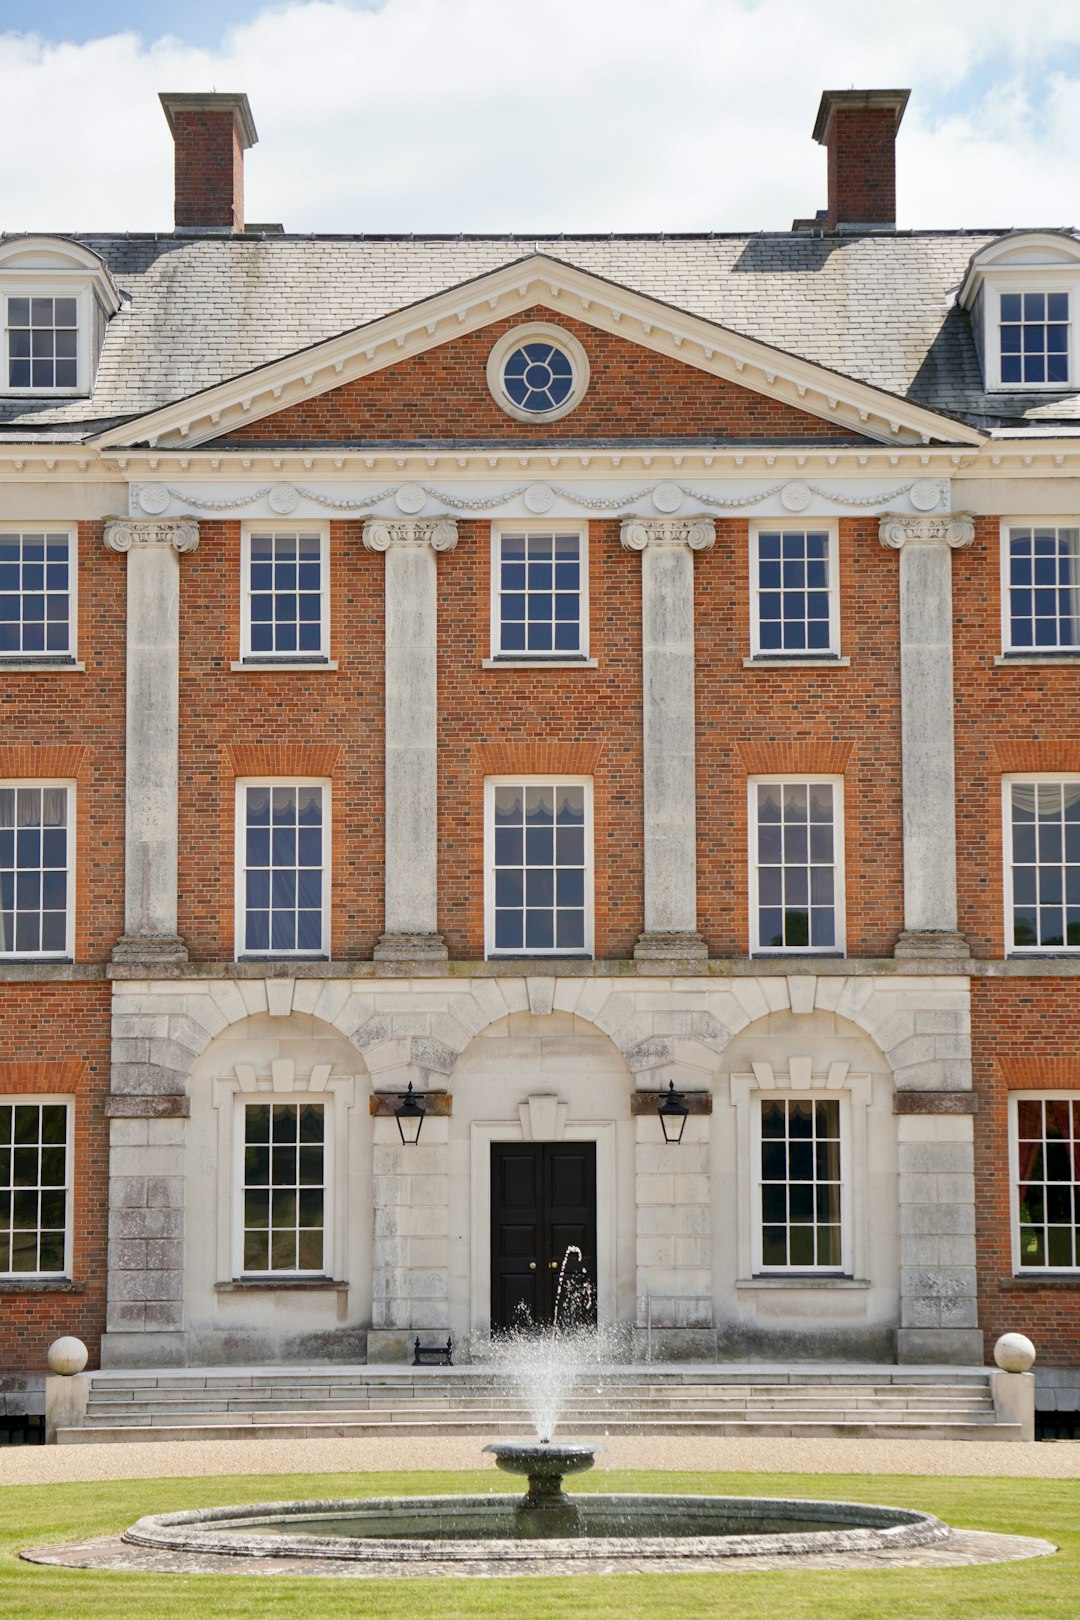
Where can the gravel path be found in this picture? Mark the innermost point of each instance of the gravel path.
(39, 1465)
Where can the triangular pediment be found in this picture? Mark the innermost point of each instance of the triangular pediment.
(542, 283)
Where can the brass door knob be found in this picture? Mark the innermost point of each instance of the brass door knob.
(553, 1265)
(532, 1265)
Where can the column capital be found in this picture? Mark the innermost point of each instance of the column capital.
(699, 533)
(898, 529)
(380, 534)
(182, 534)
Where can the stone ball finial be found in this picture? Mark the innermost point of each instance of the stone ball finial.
(67, 1356)
(1014, 1353)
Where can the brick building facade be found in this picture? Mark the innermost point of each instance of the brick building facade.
(539, 673)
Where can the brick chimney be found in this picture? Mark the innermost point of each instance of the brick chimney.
(858, 130)
(211, 134)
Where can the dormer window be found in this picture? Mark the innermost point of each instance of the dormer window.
(1034, 338)
(56, 298)
(1021, 290)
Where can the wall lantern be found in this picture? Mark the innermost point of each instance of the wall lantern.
(673, 1112)
(409, 1114)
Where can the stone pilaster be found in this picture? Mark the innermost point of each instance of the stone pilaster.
(151, 843)
(925, 545)
(411, 861)
(939, 1319)
(411, 1255)
(674, 1276)
(667, 547)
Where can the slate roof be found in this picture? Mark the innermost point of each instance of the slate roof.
(199, 310)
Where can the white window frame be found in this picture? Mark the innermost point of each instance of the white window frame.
(267, 1099)
(802, 1080)
(240, 868)
(840, 885)
(66, 1101)
(490, 784)
(1015, 1098)
(49, 660)
(285, 660)
(830, 528)
(525, 657)
(50, 286)
(68, 952)
(1007, 782)
(1007, 527)
(1027, 278)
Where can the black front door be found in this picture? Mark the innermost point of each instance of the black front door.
(543, 1233)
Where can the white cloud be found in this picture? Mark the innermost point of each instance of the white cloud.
(546, 115)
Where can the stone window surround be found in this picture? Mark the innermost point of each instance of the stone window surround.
(854, 1092)
(1008, 780)
(540, 1118)
(538, 332)
(240, 868)
(839, 949)
(1010, 654)
(69, 785)
(337, 1094)
(535, 660)
(567, 780)
(283, 661)
(1034, 1274)
(51, 1278)
(829, 526)
(46, 660)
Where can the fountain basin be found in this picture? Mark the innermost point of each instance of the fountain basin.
(481, 1530)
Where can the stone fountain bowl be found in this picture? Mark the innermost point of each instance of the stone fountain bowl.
(542, 1459)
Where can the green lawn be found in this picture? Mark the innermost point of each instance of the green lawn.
(1043, 1588)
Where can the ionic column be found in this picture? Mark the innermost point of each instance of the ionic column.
(667, 547)
(411, 865)
(153, 547)
(926, 545)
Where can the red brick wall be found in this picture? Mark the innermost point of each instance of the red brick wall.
(54, 1037)
(1008, 718)
(862, 166)
(208, 168)
(71, 724)
(241, 722)
(834, 721)
(1025, 1036)
(444, 393)
(567, 721)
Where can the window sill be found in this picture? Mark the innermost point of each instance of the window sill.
(802, 1279)
(1039, 1279)
(270, 666)
(39, 1285)
(779, 955)
(40, 666)
(539, 663)
(795, 661)
(269, 957)
(1037, 659)
(247, 1285)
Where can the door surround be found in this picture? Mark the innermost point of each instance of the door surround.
(482, 1133)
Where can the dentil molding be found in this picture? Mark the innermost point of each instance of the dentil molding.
(898, 529)
(699, 533)
(182, 534)
(438, 533)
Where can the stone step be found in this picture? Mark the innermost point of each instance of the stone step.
(597, 1406)
(229, 1428)
(113, 1390)
(409, 1379)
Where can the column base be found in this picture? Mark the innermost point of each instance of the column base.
(159, 951)
(671, 947)
(932, 945)
(410, 953)
(956, 1347)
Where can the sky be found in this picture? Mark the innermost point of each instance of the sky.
(538, 116)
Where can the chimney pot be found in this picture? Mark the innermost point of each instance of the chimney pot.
(858, 130)
(211, 134)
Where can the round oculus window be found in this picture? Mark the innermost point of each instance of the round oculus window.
(538, 372)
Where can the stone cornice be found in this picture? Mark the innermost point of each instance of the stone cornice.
(699, 533)
(380, 534)
(182, 534)
(899, 529)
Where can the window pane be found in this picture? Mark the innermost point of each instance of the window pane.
(284, 877)
(800, 1182)
(538, 881)
(33, 1187)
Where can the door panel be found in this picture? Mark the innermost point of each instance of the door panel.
(543, 1207)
